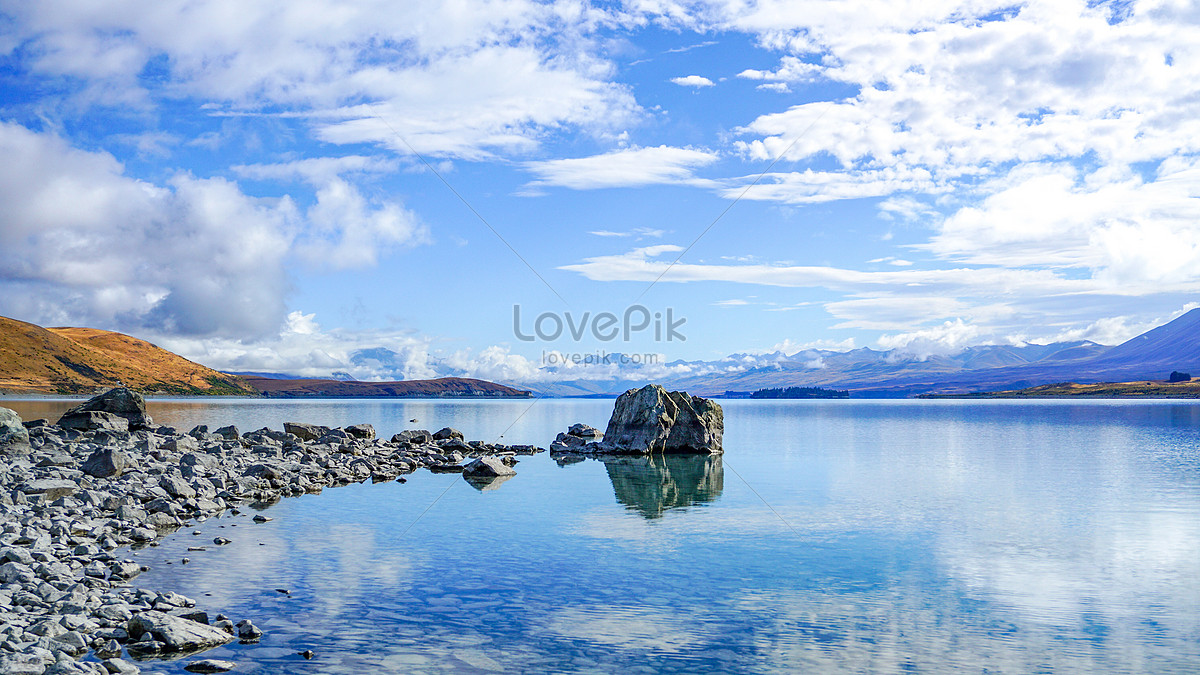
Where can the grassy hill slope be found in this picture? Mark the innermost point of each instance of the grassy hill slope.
(81, 360)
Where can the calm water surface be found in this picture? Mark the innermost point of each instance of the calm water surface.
(833, 536)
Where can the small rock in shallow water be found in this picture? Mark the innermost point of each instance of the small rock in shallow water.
(210, 666)
(283, 590)
(221, 541)
(307, 653)
(262, 519)
(248, 631)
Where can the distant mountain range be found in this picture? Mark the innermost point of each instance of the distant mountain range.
(80, 360)
(871, 373)
(866, 372)
(442, 387)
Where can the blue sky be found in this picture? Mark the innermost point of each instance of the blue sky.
(293, 186)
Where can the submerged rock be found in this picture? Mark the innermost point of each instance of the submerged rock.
(210, 666)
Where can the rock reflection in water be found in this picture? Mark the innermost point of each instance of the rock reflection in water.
(654, 484)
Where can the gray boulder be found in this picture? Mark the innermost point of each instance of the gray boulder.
(653, 420)
(118, 401)
(583, 431)
(14, 437)
(93, 420)
(446, 433)
(175, 633)
(106, 462)
(51, 488)
(305, 432)
(363, 431)
(488, 467)
(229, 433)
(414, 436)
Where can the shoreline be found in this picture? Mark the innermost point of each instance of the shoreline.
(77, 500)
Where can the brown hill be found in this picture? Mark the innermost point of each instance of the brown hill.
(441, 387)
(81, 360)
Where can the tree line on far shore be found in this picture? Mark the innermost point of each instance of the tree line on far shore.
(800, 392)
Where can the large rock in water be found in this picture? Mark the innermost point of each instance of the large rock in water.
(176, 633)
(651, 419)
(118, 401)
(14, 437)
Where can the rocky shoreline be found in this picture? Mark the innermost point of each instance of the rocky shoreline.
(73, 494)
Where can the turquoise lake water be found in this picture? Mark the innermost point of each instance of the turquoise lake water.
(832, 536)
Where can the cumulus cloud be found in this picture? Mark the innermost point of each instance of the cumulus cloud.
(949, 338)
(82, 242)
(346, 229)
(694, 81)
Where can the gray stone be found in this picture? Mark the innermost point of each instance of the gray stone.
(182, 444)
(248, 631)
(177, 487)
(653, 420)
(583, 431)
(21, 664)
(118, 401)
(14, 437)
(414, 436)
(106, 462)
(51, 488)
(487, 467)
(176, 634)
(210, 666)
(447, 433)
(93, 420)
(70, 642)
(120, 667)
(363, 431)
(229, 433)
(305, 432)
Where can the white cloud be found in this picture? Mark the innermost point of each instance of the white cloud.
(646, 264)
(694, 81)
(81, 242)
(629, 167)
(949, 338)
(1126, 229)
(789, 347)
(638, 233)
(812, 187)
(450, 81)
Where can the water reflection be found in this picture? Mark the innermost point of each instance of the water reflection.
(485, 483)
(654, 484)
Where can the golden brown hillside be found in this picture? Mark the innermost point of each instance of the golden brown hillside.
(81, 360)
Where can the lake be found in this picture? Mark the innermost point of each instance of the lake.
(832, 536)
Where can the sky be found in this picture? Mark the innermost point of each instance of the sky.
(509, 189)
